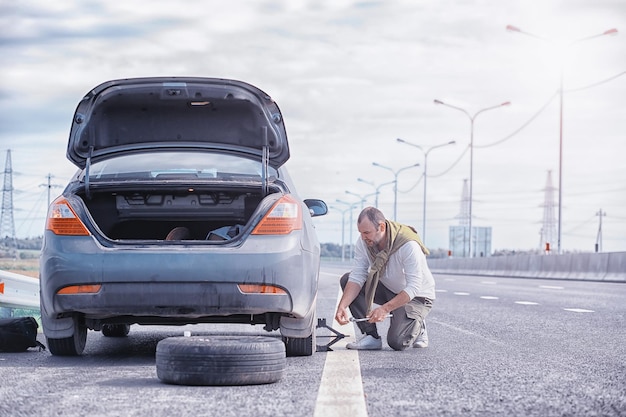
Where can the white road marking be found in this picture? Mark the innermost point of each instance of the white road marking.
(341, 388)
(467, 332)
(527, 303)
(461, 293)
(551, 287)
(449, 279)
(579, 310)
(489, 297)
(488, 282)
(441, 290)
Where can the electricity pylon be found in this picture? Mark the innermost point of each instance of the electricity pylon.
(7, 225)
(548, 227)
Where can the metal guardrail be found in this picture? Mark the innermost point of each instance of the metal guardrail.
(607, 266)
(18, 291)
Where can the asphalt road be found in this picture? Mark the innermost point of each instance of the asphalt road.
(498, 347)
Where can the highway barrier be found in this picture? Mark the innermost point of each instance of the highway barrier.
(576, 266)
(18, 291)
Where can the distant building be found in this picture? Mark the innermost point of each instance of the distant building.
(459, 235)
(459, 241)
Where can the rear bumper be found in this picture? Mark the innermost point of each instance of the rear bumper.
(171, 299)
(183, 283)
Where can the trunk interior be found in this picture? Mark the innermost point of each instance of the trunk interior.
(189, 214)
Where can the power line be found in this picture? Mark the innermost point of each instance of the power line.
(523, 126)
(572, 90)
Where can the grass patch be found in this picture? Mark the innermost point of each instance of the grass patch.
(27, 266)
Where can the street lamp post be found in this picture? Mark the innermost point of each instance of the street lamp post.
(377, 188)
(611, 32)
(362, 198)
(452, 142)
(343, 231)
(351, 207)
(472, 118)
(395, 183)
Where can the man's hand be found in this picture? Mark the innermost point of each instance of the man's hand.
(342, 315)
(378, 314)
(349, 294)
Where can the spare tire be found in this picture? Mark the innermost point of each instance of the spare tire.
(220, 360)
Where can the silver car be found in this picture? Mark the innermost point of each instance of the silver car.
(181, 212)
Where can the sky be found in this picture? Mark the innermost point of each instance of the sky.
(350, 78)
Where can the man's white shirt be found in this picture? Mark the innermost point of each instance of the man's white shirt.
(406, 270)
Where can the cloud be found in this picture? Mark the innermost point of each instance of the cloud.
(351, 77)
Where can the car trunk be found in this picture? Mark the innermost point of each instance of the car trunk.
(205, 214)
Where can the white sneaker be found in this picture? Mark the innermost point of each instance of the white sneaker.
(422, 339)
(367, 343)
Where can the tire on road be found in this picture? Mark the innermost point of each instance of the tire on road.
(220, 360)
(70, 346)
(305, 346)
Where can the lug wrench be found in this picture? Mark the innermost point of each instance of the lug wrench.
(352, 319)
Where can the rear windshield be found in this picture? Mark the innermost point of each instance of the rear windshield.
(177, 165)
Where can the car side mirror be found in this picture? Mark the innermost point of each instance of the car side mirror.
(316, 207)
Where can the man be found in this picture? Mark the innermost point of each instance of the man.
(390, 270)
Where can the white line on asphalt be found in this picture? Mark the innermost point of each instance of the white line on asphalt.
(461, 293)
(551, 287)
(441, 290)
(489, 297)
(488, 282)
(579, 310)
(467, 332)
(527, 303)
(341, 388)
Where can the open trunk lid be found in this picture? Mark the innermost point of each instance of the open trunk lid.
(130, 115)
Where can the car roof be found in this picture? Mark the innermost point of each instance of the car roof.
(139, 114)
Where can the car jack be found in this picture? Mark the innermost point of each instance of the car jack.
(337, 336)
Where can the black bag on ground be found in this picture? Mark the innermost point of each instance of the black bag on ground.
(17, 334)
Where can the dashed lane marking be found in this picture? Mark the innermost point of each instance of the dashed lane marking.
(488, 282)
(527, 303)
(467, 332)
(341, 387)
(441, 290)
(551, 287)
(579, 310)
(461, 293)
(489, 297)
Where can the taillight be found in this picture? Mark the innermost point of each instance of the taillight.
(80, 289)
(62, 220)
(284, 217)
(260, 289)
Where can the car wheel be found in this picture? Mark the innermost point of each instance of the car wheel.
(220, 360)
(115, 330)
(70, 346)
(295, 346)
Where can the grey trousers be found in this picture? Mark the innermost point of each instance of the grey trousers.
(406, 322)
